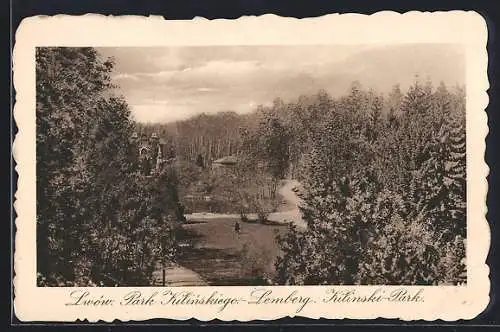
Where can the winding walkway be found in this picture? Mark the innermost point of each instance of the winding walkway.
(178, 276)
(291, 213)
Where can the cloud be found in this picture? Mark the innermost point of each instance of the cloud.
(125, 76)
(228, 67)
(209, 71)
(156, 113)
(164, 84)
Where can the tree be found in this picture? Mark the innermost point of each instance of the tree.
(268, 144)
(97, 220)
(394, 99)
(275, 139)
(70, 82)
(418, 98)
(375, 121)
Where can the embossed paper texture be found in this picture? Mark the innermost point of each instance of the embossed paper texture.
(251, 169)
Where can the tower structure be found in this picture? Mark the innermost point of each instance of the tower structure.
(152, 151)
(159, 157)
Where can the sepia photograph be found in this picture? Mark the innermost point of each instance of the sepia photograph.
(251, 169)
(251, 165)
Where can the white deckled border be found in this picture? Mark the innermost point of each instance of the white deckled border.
(467, 28)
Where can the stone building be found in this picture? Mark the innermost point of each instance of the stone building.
(154, 153)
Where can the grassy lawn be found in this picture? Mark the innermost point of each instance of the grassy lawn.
(213, 249)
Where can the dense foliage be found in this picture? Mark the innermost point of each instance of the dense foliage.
(99, 221)
(384, 196)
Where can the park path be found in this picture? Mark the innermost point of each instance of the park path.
(289, 195)
(291, 211)
(177, 276)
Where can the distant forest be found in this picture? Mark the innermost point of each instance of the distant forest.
(213, 136)
(383, 180)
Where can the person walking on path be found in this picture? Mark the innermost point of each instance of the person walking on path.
(237, 227)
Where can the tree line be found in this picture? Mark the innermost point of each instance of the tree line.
(384, 190)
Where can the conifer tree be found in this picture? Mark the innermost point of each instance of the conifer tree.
(387, 207)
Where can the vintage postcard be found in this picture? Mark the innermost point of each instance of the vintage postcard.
(251, 169)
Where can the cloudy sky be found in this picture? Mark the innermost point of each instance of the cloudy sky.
(170, 83)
